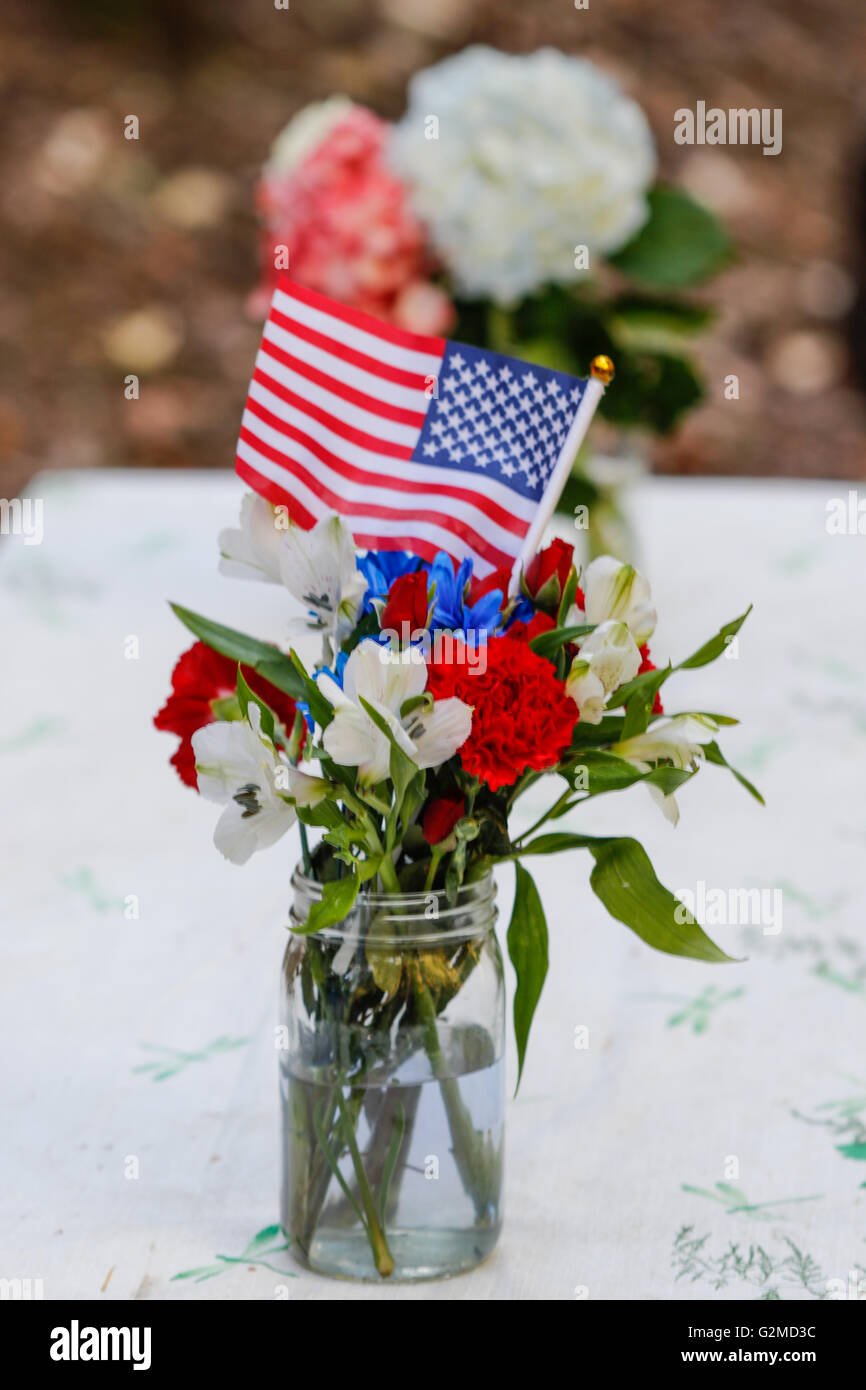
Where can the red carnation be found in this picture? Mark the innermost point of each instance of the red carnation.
(441, 816)
(547, 573)
(199, 681)
(407, 603)
(647, 665)
(522, 717)
(538, 623)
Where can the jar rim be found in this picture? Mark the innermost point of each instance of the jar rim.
(410, 918)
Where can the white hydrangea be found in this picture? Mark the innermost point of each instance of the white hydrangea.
(516, 160)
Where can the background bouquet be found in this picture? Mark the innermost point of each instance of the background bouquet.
(516, 199)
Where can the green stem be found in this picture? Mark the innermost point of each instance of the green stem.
(523, 785)
(382, 1256)
(388, 875)
(549, 813)
(472, 1155)
(431, 872)
(305, 850)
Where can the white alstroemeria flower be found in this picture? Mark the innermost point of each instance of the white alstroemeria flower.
(318, 568)
(587, 691)
(253, 552)
(678, 741)
(608, 658)
(616, 590)
(386, 680)
(239, 767)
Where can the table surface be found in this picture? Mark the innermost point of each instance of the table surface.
(707, 1143)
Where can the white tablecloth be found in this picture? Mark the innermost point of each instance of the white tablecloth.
(708, 1141)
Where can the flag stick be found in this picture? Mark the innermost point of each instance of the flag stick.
(601, 374)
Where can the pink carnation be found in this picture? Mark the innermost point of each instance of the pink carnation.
(350, 231)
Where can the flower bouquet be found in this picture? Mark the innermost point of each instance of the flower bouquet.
(516, 202)
(438, 699)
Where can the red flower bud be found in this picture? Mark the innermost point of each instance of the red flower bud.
(441, 816)
(407, 603)
(547, 573)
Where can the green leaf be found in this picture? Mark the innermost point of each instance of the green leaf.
(270, 663)
(680, 244)
(716, 645)
(596, 735)
(715, 755)
(625, 881)
(337, 900)
(569, 594)
(320, 708)
(402, 769)
(647, 321)
(638, 696)
(549, 643)
(653, 389)
(527, 947)
(328, 816)
(246, 698)
(722, 720)
(607, 772)
(556, 841)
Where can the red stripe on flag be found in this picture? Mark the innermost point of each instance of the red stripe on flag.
(278, 497)
(416, 381)
(348, 507)
(398, 413)
(355, 436)
(507, 520)
(401, 337)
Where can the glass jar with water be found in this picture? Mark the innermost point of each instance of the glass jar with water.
(392, 1084)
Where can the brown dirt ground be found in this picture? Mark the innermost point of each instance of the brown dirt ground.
(95, 228)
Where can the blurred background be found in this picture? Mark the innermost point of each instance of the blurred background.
(138, 256)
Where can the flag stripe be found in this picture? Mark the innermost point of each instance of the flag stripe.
(351, 432)
(381, 398)
(370, 502)
(361, 332)
(337, 401)
(300, 333)
(367, 466)
(343, 493)
(370, 533)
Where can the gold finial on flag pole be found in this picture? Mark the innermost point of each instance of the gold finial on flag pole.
(602, 369)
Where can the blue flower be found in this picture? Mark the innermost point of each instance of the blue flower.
(451, 609)
(523, 612)
(380, 568)
(336, 671)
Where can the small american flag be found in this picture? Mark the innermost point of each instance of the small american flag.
(420, 443)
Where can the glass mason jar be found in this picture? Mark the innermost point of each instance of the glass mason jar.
(392, 1084)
